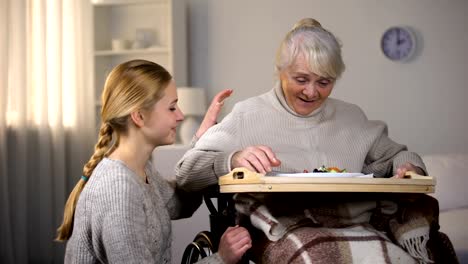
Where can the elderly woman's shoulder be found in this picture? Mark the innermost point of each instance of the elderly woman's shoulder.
(346, 113)
(351, 115)
(341, 107)
(253, 103)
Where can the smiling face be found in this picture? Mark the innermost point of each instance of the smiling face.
(304, 90)
(164, 117)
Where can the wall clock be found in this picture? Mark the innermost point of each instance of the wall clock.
(398, 43)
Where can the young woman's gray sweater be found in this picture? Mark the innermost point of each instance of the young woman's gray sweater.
(121, 219)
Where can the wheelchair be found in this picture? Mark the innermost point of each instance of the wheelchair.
(224, 215)
(221, 217)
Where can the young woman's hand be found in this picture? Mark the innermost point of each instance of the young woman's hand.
(233, 244)
(213, 111)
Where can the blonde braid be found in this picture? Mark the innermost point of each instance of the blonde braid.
(100, 151)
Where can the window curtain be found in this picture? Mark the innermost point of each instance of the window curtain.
(46, 121)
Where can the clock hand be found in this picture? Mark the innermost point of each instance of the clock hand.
(399, 39)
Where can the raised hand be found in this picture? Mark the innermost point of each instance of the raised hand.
(213, 111)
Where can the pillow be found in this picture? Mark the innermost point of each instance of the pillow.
(451, 173)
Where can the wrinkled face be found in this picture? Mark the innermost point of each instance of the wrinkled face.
(304, 90)
(164, 118)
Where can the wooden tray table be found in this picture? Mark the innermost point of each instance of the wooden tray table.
(241, 180)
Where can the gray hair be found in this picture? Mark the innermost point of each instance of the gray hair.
(319, 46)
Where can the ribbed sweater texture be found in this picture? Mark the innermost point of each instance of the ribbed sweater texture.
(338, 134)
(121, 219)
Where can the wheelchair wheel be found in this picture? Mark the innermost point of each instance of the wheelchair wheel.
(200, 247)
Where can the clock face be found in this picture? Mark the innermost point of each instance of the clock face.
(398, 43)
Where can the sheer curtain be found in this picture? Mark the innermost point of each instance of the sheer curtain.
(46, 121)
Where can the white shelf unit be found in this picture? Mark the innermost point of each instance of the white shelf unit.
(120, 19)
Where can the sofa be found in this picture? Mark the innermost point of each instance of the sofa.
(451, 173)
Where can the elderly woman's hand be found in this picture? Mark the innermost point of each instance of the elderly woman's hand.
(255, 158)
(213, 111)
(402, 169)
(233, 244)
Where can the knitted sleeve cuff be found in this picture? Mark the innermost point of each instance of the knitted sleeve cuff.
(222, 164)
(411, 157)
(213, 259)
(193, 141)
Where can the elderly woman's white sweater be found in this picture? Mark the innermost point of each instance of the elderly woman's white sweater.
(338, 134)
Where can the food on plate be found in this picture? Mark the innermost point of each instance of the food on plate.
(328, 169)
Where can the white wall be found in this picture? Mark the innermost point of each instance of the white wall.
(232, 45)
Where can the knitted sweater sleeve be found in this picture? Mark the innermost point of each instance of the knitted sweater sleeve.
(201, 166)
(179, 203)
(120, 218)
(213, 259)
(385, 156)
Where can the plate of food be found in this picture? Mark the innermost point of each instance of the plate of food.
(321, 172)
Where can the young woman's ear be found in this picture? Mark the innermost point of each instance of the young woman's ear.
(137, 118)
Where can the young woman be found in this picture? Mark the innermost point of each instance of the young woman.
(121, 209)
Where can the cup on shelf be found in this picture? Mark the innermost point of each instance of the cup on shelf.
(144, 38)
(119, 44)
(138, 45)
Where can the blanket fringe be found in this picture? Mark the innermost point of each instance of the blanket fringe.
(263, 220)
(416, 247)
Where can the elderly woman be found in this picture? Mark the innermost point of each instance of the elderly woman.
(296, 126)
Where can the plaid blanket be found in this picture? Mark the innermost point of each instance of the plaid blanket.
(339, 227)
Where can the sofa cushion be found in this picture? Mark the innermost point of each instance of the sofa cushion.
(451, 173)
(453, 224)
